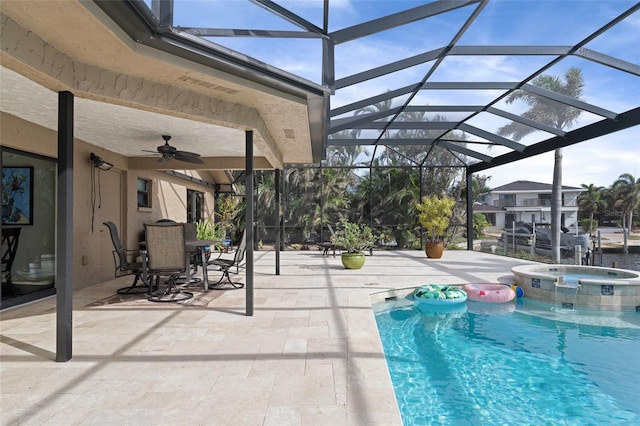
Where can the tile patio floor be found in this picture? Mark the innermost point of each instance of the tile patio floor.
(310, 354)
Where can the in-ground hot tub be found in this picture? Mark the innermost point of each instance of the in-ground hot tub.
(584, 286)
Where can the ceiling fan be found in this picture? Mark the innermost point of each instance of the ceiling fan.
(168, 152)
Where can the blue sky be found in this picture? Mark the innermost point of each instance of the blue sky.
(503, 22)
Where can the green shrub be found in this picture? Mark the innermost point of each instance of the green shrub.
(479, 223)
(207, 230)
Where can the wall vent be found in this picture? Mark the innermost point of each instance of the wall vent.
(208, 85)
(289, 134)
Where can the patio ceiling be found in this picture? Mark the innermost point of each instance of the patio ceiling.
(444, 86)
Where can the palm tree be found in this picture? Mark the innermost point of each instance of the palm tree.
(265, 202)
(301, 198)
(554, 114)
(627, 192)
(385, 198)
(591, 202)
(344, 155)
(479, 186)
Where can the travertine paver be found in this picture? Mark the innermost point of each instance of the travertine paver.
(310, 354)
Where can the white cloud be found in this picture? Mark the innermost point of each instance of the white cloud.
(599, 161)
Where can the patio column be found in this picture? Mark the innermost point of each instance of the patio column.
(248, 219)
(421, 195)
(469, 177)
(64, 229)
(276, 185)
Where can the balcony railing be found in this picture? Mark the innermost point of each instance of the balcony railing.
(539, 202)
(531, 202)
(504, 203)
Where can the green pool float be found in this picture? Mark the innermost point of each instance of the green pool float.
(435, 294)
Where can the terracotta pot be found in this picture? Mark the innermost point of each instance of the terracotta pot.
(434, 249)
(352, 260)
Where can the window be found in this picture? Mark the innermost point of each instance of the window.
(144, 192)
(506, 200)
(545, 200)
(195, 205)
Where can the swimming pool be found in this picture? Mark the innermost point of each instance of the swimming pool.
(499, 365)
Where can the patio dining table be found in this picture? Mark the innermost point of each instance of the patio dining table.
(200, 246)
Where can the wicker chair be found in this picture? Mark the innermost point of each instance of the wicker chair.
(124, 266)
(165, 257)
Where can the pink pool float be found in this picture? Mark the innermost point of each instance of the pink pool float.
(490, 293)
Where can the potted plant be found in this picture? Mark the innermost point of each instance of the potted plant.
(434, 215)
(353, 239)
(208, 230)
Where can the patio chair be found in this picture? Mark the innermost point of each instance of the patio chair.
(225, 265)
(165, 257)
(329, 245)
(121, 258)
(10, 238)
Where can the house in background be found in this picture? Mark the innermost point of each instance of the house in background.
(526, 201)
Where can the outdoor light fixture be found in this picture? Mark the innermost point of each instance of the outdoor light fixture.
(100, 163)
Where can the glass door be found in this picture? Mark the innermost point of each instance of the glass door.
(28, 227)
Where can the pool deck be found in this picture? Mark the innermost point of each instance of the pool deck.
(309, 355)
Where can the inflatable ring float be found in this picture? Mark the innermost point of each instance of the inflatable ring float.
(434, 294)
(491, 293)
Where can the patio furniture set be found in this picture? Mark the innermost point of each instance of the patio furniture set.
(172, 251)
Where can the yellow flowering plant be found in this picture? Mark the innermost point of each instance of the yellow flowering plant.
(435, 215)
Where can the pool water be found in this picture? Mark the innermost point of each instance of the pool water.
(522, 363)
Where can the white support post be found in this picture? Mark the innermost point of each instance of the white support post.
(625, 233)
(533, 240)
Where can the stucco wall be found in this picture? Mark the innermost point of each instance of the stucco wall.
(168, 200)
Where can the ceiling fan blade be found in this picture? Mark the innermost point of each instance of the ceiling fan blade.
(180, 155)
(168, 152)
(193, 154)
(148, 150)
